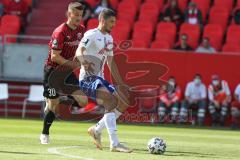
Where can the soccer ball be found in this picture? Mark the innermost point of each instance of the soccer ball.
(156, 146)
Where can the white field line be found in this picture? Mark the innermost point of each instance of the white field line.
(55, 150)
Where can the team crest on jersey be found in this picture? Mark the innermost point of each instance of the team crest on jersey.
(55, 43)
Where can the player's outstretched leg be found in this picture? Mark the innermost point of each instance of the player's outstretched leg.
(96, 130)
(49, 110)
(105, 98)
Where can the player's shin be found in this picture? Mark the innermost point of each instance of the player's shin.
(110, 122)
(48, 120)
(49, 115)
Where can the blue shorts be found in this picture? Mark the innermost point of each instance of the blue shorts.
(90, 85)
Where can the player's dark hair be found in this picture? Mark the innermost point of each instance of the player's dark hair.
(198, 75)
(106, 13)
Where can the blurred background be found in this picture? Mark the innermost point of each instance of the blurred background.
(197, 40)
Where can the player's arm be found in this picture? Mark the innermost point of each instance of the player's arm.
(122, 88)
(114, 70)
(85, 43)
(57, 58)
(79, 53)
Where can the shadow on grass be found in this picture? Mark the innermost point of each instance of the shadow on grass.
(182, 154)
(25, 153)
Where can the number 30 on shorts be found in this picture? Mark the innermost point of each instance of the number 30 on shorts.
(52, 92)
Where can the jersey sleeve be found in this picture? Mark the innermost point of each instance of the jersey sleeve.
(57, 41)
(87, 40)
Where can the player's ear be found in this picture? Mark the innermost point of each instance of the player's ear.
(67, 14)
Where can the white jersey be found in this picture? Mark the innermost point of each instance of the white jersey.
(195, 92)
(98, 47)
(237, 92)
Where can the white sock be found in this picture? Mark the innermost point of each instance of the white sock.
(110, 122)
(101, 124)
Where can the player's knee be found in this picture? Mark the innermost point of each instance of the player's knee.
(53, 104)
(81, 100)
(110, 104)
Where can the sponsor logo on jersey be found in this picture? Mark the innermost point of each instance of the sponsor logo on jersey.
(55, 43)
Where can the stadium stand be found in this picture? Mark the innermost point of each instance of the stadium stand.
(138, 20)
(166, 31)
(160, 44)
(203, 5)
(149, 12)
(193, 33)
(47, 15)
(215, 34)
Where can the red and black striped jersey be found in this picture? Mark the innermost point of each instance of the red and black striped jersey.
(65, 39)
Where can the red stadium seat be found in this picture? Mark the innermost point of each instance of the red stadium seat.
(92, 23)
(11, 21)
(143, 30)
(228, 48)
(122, 27)
(114, 3)
(10, 24)
(228, 4)
(29, 2)
(158, 3)
(5, 2)
(158, 44)
(215, 34)
(182, 5)
(193, 33)
(135, 2)
(219, 15)
(203, 5)
(233, 35)
(140, 43)
(149, 12)
(127, 11)
(166, 32)
(93, 3)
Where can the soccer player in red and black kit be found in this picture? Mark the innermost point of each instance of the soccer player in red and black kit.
(62, 48)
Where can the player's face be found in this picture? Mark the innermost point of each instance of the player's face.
(109, 24)
(75, 17)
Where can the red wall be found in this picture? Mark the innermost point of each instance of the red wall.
(184, 65)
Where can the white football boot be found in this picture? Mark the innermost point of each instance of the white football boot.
(44, 139)
(96, 137)
(120, 148)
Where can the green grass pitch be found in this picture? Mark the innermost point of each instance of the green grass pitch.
(19, 140)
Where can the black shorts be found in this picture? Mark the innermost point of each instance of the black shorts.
(52, 91)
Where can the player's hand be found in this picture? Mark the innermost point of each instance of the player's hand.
(88, 66)
(217, 104)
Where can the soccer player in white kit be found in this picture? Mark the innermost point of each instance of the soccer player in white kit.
(95, 49)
